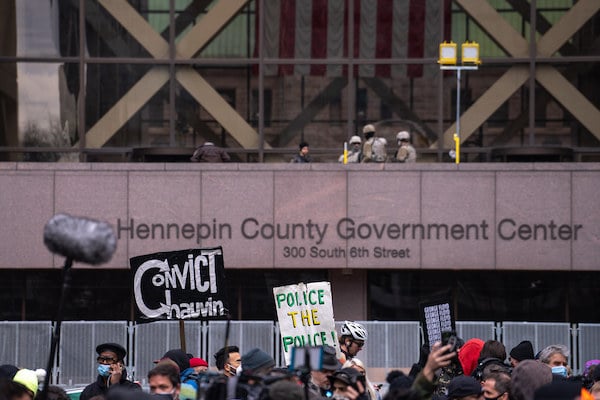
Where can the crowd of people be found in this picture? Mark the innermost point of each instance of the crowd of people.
(452, 370)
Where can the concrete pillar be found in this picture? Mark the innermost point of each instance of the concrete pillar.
(349, 290)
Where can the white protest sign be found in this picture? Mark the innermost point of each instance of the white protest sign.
(305, 313)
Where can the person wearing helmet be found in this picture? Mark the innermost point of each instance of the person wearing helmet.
(406, 153)
(352, 339)
(374, 147)
(354, 152)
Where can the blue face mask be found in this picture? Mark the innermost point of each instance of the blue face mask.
(103, 370)
(560, 370)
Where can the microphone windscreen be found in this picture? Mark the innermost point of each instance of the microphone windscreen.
(81, 239)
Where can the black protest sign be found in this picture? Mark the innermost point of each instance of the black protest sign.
(185, 284)
(436, 317)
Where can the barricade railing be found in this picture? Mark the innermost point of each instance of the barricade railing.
(390, 345)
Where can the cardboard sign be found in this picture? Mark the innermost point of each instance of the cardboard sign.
(436, 317)
(305, 313)
(185, 284)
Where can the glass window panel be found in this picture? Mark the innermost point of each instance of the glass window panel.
(43, 105)
(225, 117)
(143, 120)
(37, 29)
(309, 103)
(401, 97)
(379, 29)
(106, 36)
(237, 39)
(484, 296)
(304, 30)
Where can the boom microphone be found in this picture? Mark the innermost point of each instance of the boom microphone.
(80, 239)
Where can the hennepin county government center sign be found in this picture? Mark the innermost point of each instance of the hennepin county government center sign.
(314, 234)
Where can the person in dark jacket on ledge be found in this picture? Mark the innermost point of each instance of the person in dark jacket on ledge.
(210, 153)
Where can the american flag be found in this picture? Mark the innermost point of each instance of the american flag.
(382, 29)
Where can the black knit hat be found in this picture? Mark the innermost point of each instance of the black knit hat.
(522, 351)
(179, 357)
(8, 371)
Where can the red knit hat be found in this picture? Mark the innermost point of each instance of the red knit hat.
(197, 362)
(469, 354)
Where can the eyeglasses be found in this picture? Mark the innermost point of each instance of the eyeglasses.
(106, 360)
(359, 344)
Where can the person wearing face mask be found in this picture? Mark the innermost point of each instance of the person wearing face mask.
(229, 361)
(164, 381)
(189, 384)
(556, 356)
(111, 371)
(496, 385)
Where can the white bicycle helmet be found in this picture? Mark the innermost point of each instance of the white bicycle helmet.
(354, 329)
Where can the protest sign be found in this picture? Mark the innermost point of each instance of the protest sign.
(184, 284)
(305, 313)
(436, 317)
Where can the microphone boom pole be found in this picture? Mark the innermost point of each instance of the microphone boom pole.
(66, 283)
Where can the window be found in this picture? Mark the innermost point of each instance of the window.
(254, 107)
(486, 295)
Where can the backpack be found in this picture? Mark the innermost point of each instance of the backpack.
(367, 151)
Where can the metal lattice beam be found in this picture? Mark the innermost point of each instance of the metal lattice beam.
(196, 39)
(514, 44)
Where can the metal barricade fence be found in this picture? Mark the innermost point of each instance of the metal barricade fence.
(77, 348)
(482, 330)
(152, 340)
(244, 334)
(25, 344)
(398, 344)
(588, 343)
(390, 345)
(540, 334)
